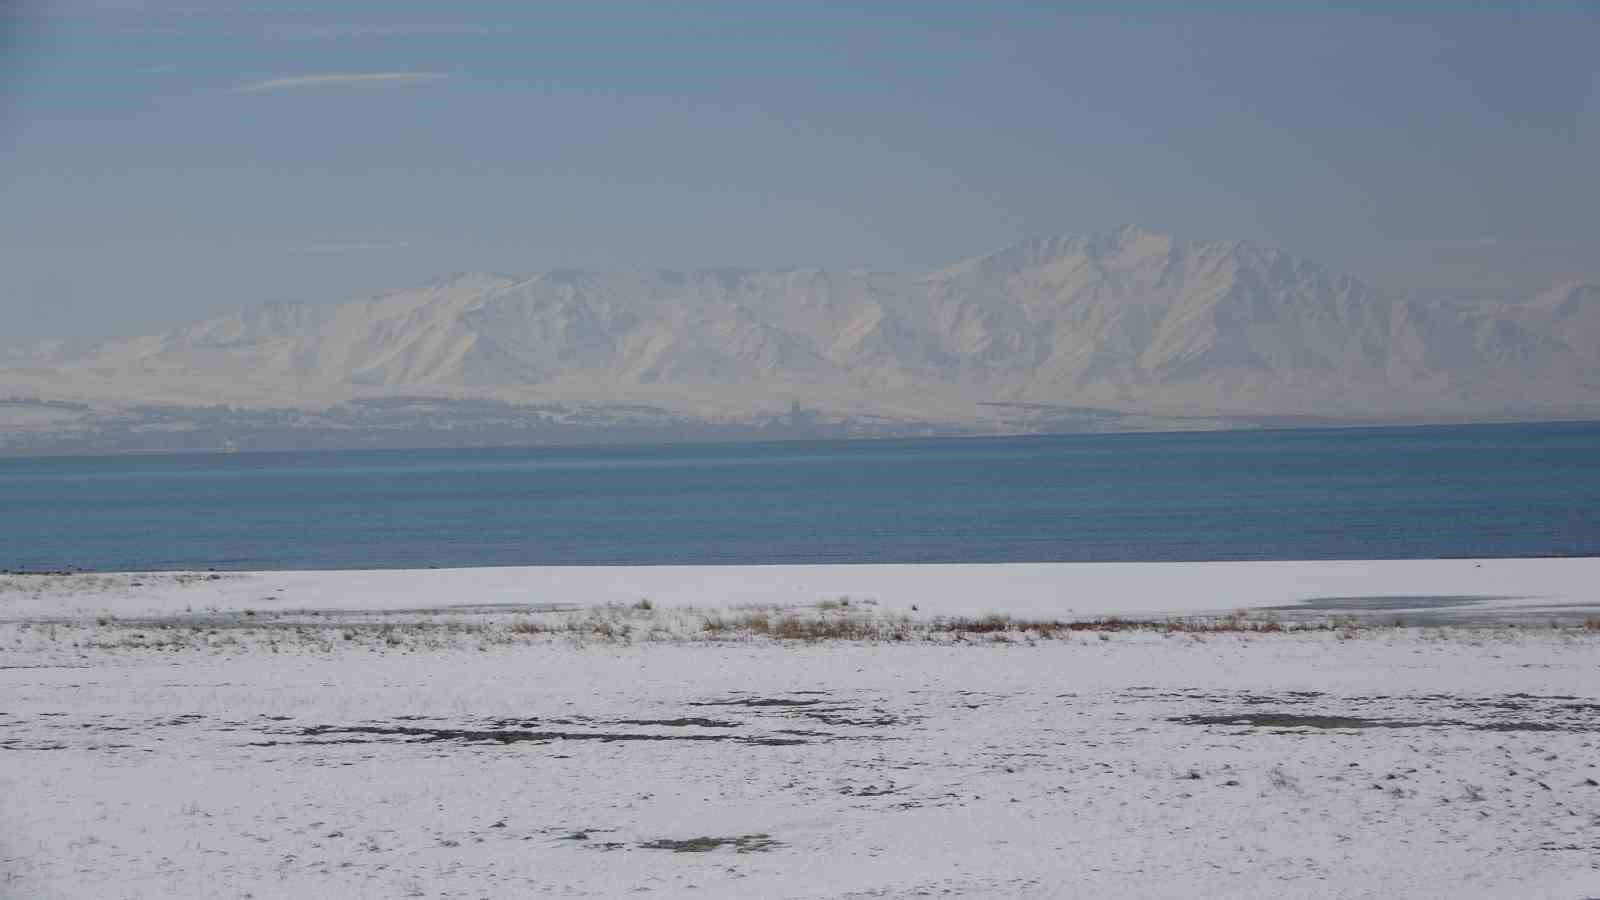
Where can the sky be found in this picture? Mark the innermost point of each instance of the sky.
(162, 162)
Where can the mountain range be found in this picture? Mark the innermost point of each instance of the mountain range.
(1130, 322)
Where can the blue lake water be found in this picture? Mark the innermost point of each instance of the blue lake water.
(1481, 490)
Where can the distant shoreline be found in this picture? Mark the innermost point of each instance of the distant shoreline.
(189, 435)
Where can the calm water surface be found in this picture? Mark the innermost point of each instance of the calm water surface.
(1483, 490)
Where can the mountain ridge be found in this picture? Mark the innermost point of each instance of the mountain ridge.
(1131, 320)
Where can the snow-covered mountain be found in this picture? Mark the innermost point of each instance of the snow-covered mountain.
(1128, 320)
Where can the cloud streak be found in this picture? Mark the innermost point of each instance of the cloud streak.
(303, 82)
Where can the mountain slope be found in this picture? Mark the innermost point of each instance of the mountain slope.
(1128, 319)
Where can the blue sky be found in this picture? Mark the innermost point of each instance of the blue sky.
(164, 161)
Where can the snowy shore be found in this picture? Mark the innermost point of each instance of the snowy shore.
(748, 732)
(1561, 587)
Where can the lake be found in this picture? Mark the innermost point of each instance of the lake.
(1412, 492)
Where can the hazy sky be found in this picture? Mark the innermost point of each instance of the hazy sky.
(160, 162)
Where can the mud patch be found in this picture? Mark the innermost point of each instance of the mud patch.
(744, 843)
(834, 717)
(825, 711)
(689, 722)
(1294, 720)
(368, 734)
(1279, 720)
(15, 744)
(757, 702)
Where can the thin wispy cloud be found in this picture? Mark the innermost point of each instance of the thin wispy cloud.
(303, 82)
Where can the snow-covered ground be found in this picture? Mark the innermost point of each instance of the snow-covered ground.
(1540, 588)
(504, 732)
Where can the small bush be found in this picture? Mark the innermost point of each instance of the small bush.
(597, 626)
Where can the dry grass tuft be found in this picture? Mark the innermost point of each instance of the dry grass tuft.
(1233, 623)
(791, 627)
